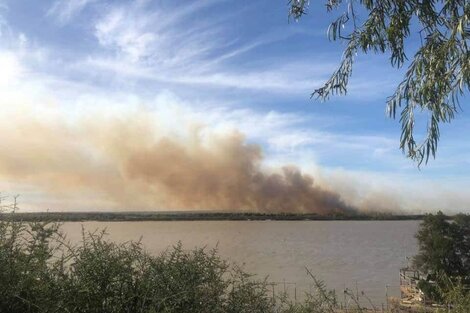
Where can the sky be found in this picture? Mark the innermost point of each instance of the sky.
(94, 93)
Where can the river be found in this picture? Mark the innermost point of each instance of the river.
(359, 255)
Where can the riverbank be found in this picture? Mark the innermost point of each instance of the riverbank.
(199, 216)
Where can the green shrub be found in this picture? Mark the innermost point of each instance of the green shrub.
(444, 252)
(41, 272)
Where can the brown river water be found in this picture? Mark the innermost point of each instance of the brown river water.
(359, 255)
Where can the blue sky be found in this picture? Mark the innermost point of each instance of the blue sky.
(230, 66)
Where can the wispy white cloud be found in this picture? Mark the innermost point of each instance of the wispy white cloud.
(172, 47)
(65, 10)
(284, 79)
(138, 35)
(144, 40)
(120, 30)
(334, 141)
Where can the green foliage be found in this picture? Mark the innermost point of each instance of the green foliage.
(444, 253)
(39, 272)
(437, 75)
(430, 290)
(457, 298)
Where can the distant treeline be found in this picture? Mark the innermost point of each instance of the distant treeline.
(197, 216)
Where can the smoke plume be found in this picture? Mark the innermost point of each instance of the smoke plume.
(129, 161)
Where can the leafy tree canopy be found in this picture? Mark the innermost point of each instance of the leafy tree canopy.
(444, 249)
(437, 75)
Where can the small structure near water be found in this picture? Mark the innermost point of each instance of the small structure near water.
(410, 294)
(412, 299)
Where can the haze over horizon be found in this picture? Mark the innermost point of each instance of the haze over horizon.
(139, 104)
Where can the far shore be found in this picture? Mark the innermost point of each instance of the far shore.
(199, 216)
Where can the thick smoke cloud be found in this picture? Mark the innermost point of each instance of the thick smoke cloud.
(227, 176)
(130, 162)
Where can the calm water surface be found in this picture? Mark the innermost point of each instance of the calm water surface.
(342, 253)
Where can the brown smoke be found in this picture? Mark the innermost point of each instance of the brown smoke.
(129, 164)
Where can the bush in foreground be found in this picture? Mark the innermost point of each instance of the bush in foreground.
(40, 272)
